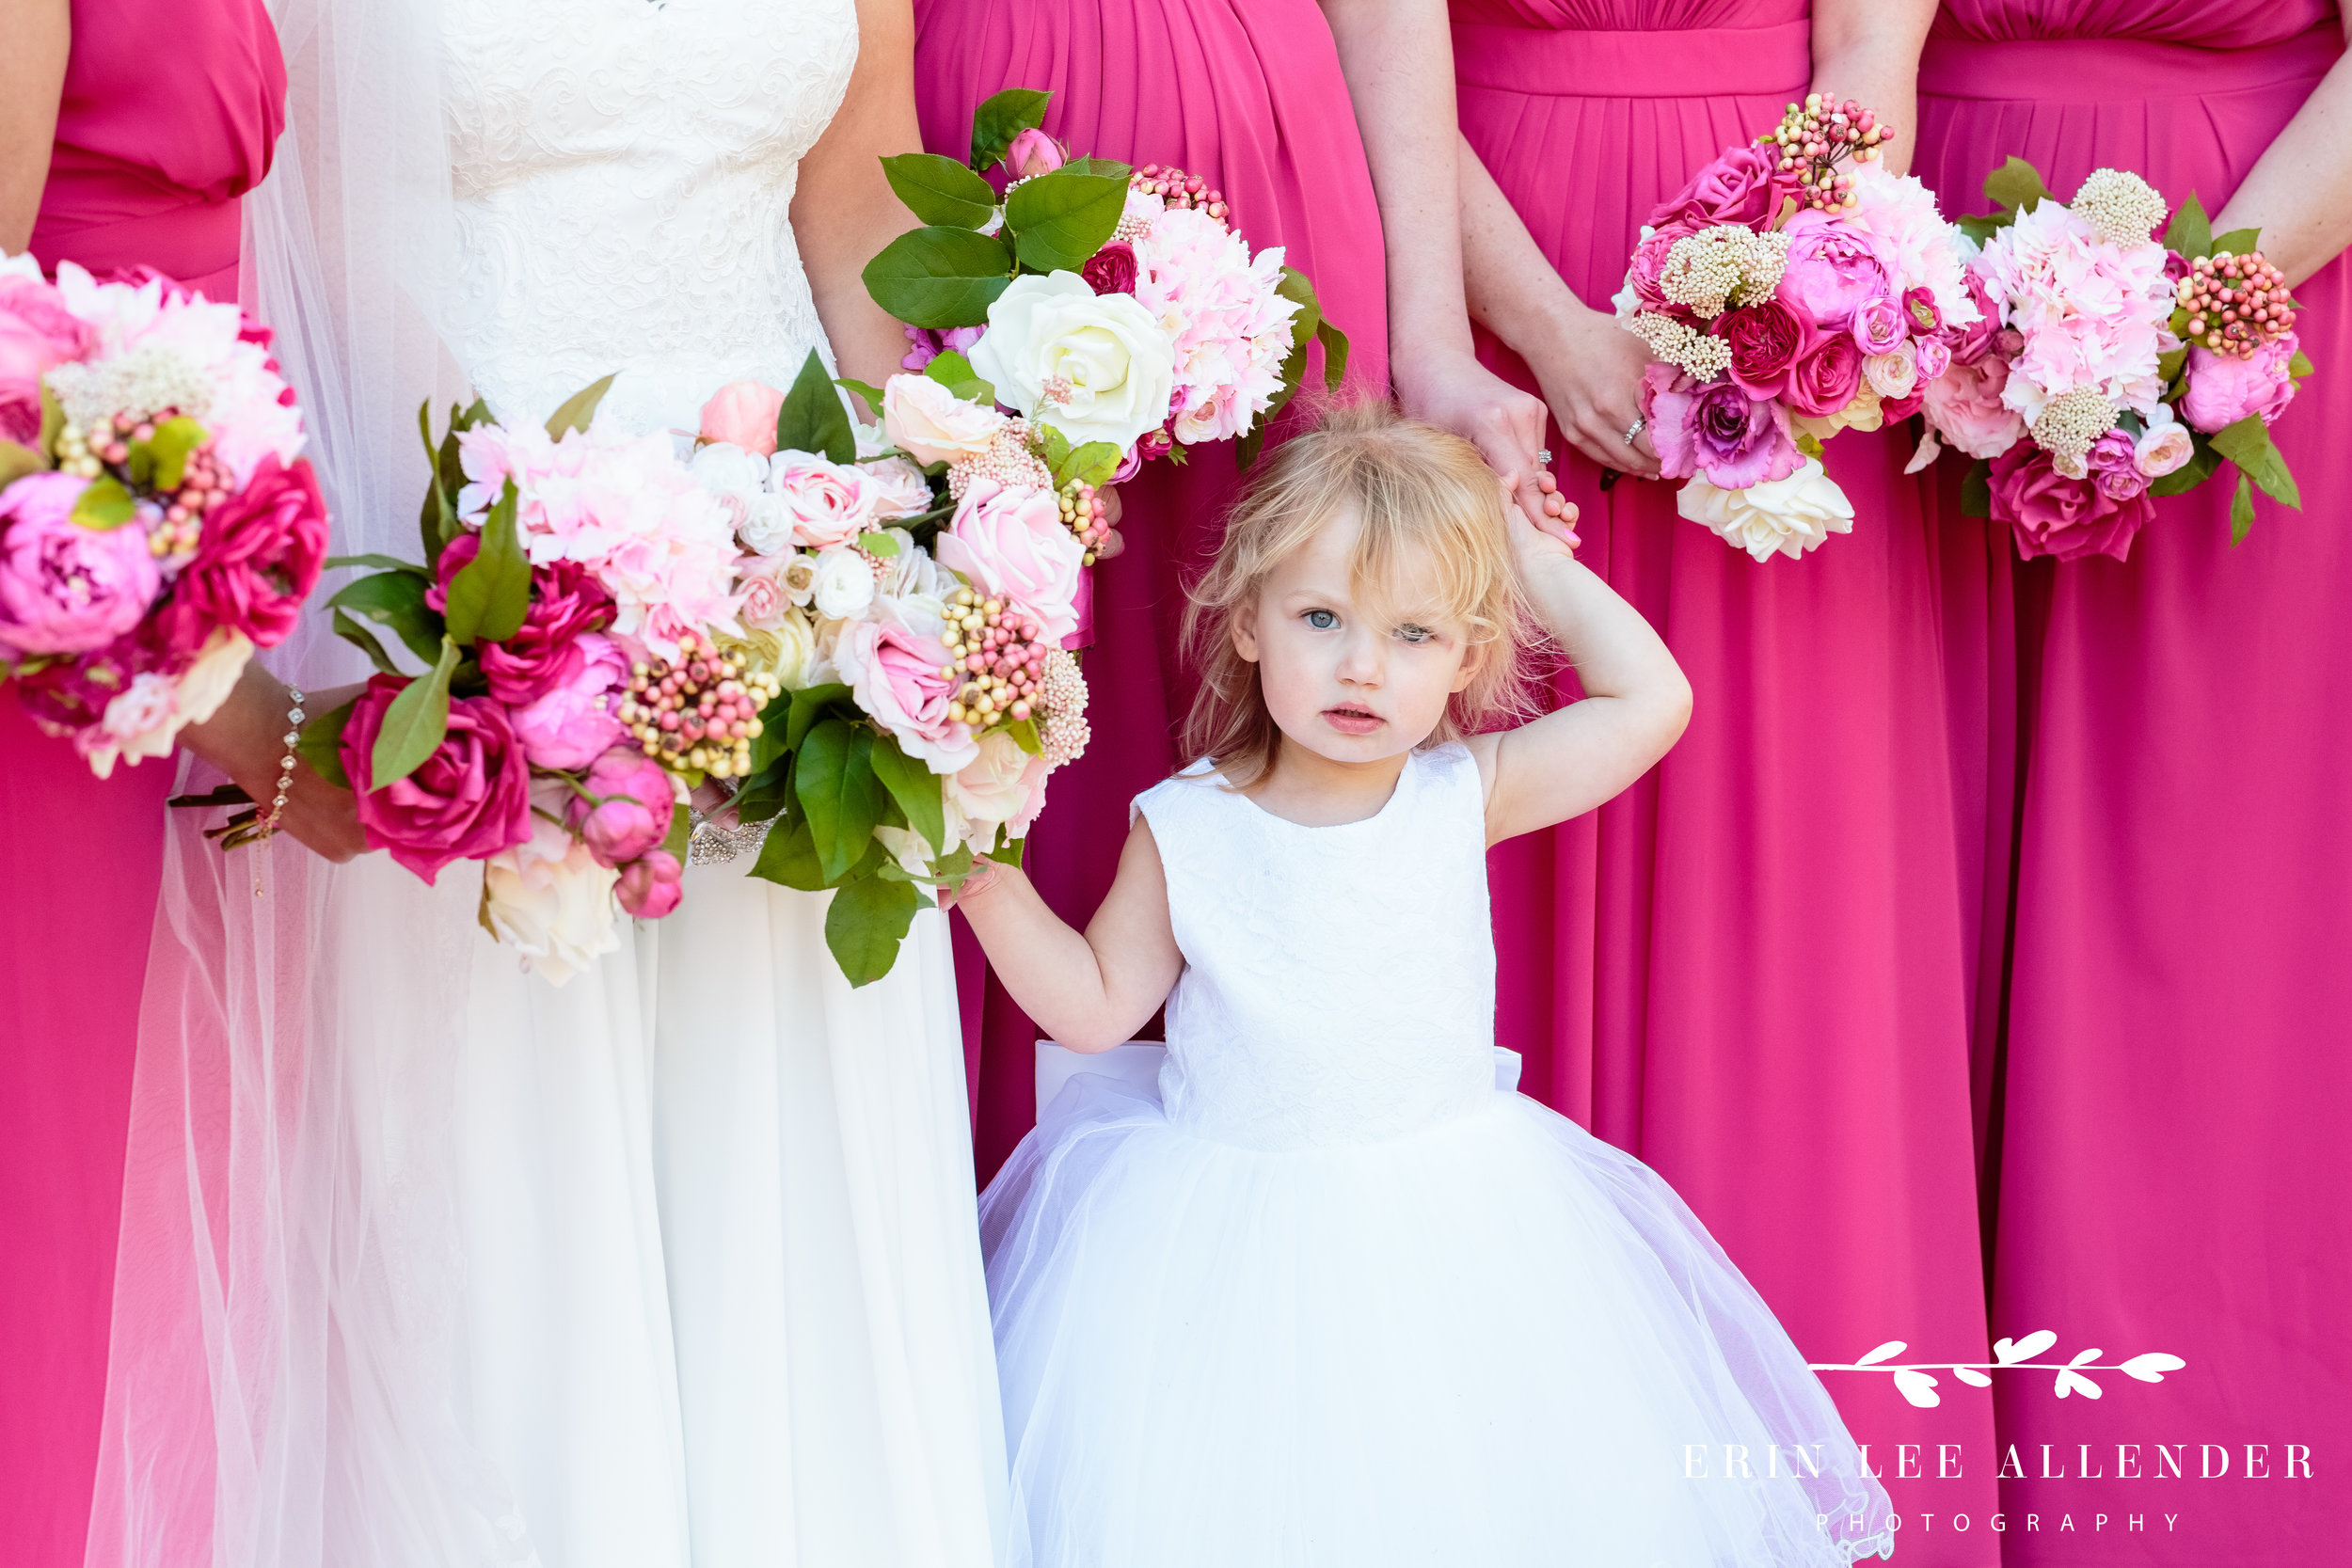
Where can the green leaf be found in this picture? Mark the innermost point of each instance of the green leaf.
(885, 544)
(52, 422)
(870, 396)
(2200, 467)
(1003, 117)
(1054, 448)
(580, 410)
(2300, 366)
(812, 418)
(2242, 510)
(2190, 232)
(766, 792)
(833, 778)
(1808, 443)
(2017, 185)
(864, 923)
(414, 724)
(1109, 169)
(950, 369)
(1024, 733)
(17, 460)
(361, 637)
(1007, 850)
(914, 787)
(105, 506)
(940, 277)
(2168, 365)
(1092, 464)
(789, 856)
(1976, 490)
(396, 600)
(490, 594)
(1334, 343)
(1059, 220)
(939, 190)
(384, 562)
(168, 450)
(1981, 227)
(2249, 445)
(322, 745)
(438, 524)
(1298, 287)
(2237, 242)
(808, 706)
(681, 834)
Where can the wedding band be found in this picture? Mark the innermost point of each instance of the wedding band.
(1633, 431)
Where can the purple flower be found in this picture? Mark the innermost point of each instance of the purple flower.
(1719, 431)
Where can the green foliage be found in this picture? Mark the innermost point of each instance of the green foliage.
(1976, 490)
(2200, 467)
(2242, 509)
(490, 594)
(813, 418)
(833, 779)
(580, 410)
(866, 922)
(1024, 733)
(2237, 242)
(383, 562)
(789, 856)
(2249, 445)
(914, 787)
(2016, 187)
(870, 396)
(436, 524)
(952, 371)
(1059, 220)
(940, 277)
(939, 190)
(1003, 117)
(361, 637)
(105, 506)
(321, 747)
(2190, 232)
(1108, 168)
(1092, 464)
(162, 461)
(414, 724)
(395, 600)
(17, 460)
(808, 706)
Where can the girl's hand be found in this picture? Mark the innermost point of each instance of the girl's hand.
(1590, 370)
(1554, 539)
(1451, 390)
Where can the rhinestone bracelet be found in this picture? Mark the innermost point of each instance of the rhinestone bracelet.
(268, 823)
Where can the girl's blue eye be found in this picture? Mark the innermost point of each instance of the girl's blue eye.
(1415, 634)
(1322, 620)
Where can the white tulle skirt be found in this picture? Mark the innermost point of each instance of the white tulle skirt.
(1496, 1341)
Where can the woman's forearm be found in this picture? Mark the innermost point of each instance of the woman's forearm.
(39, 35)
(1869, 50)
(245, 739)
(2299, 191)
(844, 210)
(1512, 289)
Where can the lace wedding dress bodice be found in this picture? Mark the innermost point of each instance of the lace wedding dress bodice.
(1339, 982)
(624, 174)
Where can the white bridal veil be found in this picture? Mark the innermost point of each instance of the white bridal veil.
(279, 1382)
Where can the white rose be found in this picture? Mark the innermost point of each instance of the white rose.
(1003, 786)
(782, 647)
(2163, 447)
(1097, 368)
(1782, 516)
(899, 487)
(145, 718)
(843, 585)
(1893, 373)
(551, 900)
(924, 418)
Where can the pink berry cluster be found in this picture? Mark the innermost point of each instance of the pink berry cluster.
(999, 650)
(204, 485)
(1084, 512)
(701, 712)
(1818, 134)
(2236, 303)
(1175, 187)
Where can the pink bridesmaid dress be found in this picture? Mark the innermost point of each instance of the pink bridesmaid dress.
(154, 146)
(1246, 94)
(2172, 1165)
(1750, 970)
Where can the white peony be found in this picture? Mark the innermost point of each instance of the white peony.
(1096, 368)
(1782, 516)
(843, 585)
(550, 899)
(145, 718)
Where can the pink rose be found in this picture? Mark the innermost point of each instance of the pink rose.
(1012, 544)
(1825, 380)
(1718, 430)
(565, 601)
(256, 559)
(1766, 339)
(1894, 376)
(895, 674)
(66, 589)
(1736, 187)
(36, 331)
(2114, 469)
(827, 503)
(1935, 358)
(933, 424)
(765, 599)
(468, 800)
(1879, 324)
(1032, 153)
(650, 885)
(2054, 515)
(743, 414)
(1834, 270)
(1642, 272)
(575, 719)
(1964, 405)
(635, 801)
(2223, 389)
(1112, 271)
(1972, 342)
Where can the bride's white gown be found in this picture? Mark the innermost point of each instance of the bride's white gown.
(717, 1294)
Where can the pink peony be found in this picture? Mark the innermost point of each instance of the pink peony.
(2054, 515)
(66, 589)
(575, 717)
(1834, 270)
(1012, 544)
(36, 331)
(651, 885)
(468, 800)
(743, 414)
(1719, 431)
(2223, 389)
(256, 559)
(1964, 405)
(1735, 189)
(1032, 153)
(2114, 469)
(635, 802)
(1766, 340)
(1935, 358)
(896, 676)
(829, 503)
(1825, 380)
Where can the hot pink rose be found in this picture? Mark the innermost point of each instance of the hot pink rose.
(895, 674)
(566, 600)
(1972, 342)
(1766, 340)
(2113, 467)
(36, 331)
(258, 558)
(635, 802)
(66, 589)
(574, 720)
(468, 800)
(1826, 379)
(743, 414)
(2223, 389)
(1032, 153)
(650, 885)
(2054, 515)
(1736, 187)
(1834, 270)
(1964, 405)
(1012, 544)
(1112, 270)
(1719, 431)
(1935, 358)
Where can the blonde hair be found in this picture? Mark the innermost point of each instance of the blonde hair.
(1432, 540)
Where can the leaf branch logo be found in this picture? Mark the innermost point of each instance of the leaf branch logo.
(1915, 1381)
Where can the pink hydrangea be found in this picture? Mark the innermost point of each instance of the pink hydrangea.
(2090, 314)
(1219, 303)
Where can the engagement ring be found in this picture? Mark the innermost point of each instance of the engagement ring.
(1543, 458)
(1633, 431)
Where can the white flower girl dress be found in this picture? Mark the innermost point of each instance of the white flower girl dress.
(1333, 1298)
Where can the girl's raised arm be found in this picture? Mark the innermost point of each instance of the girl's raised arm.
(1636, 701)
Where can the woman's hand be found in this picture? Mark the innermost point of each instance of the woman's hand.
(1455, 392)
(1590, 370)
(247, 739)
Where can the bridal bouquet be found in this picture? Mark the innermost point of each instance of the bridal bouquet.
(2113, 368)
(157, 523)
(1792, 289)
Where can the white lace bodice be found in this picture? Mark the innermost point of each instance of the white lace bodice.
(624, 174)
(1339, 982)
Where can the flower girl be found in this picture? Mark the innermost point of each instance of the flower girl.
(1330, 1297)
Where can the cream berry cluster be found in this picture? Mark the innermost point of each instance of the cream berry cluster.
(702, 711)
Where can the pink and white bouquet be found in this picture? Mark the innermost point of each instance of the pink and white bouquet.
(157, 521)
(1793, 289)
(2114, 368)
